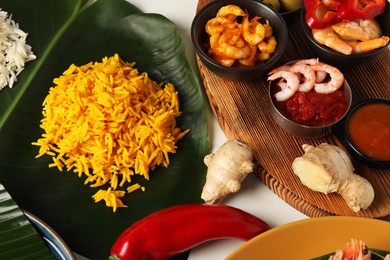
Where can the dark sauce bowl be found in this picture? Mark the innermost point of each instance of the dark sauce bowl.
(352, 148)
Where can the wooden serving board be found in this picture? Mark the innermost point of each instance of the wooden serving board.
(241, 110)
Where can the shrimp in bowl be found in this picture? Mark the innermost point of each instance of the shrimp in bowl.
(307, 97)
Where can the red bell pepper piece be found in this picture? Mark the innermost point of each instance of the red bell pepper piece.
(367, 9)
(363, 9)
(318, 15)
(344, 11)
(170, 231)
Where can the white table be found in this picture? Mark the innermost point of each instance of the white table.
(254, 197)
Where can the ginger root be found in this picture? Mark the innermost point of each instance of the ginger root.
(327, 168)
(227, 168)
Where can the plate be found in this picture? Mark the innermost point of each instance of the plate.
(55, 243)
(314, 237)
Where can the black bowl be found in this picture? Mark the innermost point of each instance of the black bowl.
(253, 7)
(349, 141)
(338, 59)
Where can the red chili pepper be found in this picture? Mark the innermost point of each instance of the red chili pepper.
(318, 15)
(168, 232)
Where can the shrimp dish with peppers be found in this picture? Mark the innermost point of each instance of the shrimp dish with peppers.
(355, 250)
(350, 37)
(347, 27)
(234, 40)
(308, 92)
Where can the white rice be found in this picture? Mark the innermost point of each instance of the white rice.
(14, 52)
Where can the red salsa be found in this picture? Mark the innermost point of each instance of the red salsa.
(312, 108)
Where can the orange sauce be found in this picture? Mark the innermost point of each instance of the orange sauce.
(369, 130)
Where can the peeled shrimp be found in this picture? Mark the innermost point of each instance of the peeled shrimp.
(268, 29)
(309, 76)
(354, 250)
(320, 75)
(229, 45)
(349, 37)
(250, 60)
(336, 79)
(253, 31)
(234, 42)
(268, 45)
(371, 27)
(289, 89)
(365, 46)
(359, 30)
(327, 37)
(230, 12)
(218, 25)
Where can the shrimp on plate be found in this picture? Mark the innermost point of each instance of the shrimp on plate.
(335, 82)
(288, 89)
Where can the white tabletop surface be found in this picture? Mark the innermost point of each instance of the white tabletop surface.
(254, 197)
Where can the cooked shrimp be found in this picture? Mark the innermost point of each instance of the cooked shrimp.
(371, 27)
(218, 25)
(309, 76)
(320, 75)
(328, 38)
(253, 31)
(234, 52)
(336, 79)
(250, 61)
(230, 12)
(268, 29)
(225, 61)
(360, 47)
(290, 88)
(354, 250)
(268, 45)
(263, 56)
(284, 67)
(232, 37)
(359, 30)
(350, 31)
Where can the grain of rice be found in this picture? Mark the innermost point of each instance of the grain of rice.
(14, 52)
(108, 122)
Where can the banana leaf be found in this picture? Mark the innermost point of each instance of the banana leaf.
(17, 232)
(65, 32)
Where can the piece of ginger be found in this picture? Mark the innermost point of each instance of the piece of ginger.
(327, 168)
(227, 168)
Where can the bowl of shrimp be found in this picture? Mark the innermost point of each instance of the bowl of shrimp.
(347, 43)
(308, 98)
(239, 40)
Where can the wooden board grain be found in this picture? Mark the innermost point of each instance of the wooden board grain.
(241, 110)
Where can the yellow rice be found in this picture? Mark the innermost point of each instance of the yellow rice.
(107, 122)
